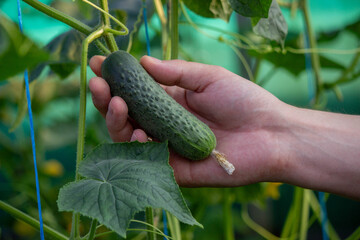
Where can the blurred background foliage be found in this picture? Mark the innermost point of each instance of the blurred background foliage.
(55, 104)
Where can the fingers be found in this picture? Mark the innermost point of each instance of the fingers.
(139, 135)
(117, 120)
(120, 129)
(95, 64)
(100, 92)
(188, 75)
(114, 110)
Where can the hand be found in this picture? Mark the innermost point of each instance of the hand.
(242, 115)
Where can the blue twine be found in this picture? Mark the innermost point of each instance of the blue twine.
(166, 232)
(309, 71)
(26, 77)
(324, 217)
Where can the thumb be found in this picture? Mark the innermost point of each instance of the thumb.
(188, 75)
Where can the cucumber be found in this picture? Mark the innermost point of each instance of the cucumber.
(154, 110)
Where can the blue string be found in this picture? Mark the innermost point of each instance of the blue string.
(26, 77)
(324, 217)
(309, 71)
(166, 232)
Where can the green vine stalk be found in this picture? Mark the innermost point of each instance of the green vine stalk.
(109, 37)
(315, 59)
(68, 20)
(227, 211)
(16, 213)
(174, 28)
(149, 213)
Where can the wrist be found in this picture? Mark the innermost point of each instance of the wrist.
(319, 150)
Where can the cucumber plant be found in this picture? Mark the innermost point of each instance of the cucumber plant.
(115, 181)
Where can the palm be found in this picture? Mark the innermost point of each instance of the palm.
(239, 125)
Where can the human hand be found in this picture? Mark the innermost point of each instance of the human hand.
(242, 116)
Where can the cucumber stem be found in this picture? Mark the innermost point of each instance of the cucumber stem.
(109, 37)
(224, 163)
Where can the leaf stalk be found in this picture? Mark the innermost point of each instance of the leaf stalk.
(16, 213)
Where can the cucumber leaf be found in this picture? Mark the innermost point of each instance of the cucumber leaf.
(251, 8)
(65, 55)
(274, 27)
(17, 51)
(121, 179)
(210, 8)
(201, 8)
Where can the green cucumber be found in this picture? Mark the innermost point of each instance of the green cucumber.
(154, 110)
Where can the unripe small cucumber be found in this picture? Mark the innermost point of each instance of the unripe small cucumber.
(154, 110)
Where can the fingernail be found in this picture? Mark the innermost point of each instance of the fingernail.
(154, 60)
(133, 137)
(110, 111)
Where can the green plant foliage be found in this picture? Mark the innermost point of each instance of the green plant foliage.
(274, 27)
(251, 8)
(210, 8)
(295, 63)
(201, 8)
(17, 52)
(65, 55)
(250, 193)
(121, 179)
(221, 9)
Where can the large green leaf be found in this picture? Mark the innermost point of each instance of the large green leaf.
(65, 52)
(121, 179)
(17, 52)
(210, 8)
(273, 27)
(251, 8)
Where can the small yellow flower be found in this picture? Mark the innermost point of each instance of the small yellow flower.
(53, 168)
(272, 190)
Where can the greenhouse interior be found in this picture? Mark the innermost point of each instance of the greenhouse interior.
(180, 119)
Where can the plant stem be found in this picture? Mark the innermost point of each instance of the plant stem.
(174, 226)
(109, 37)
(174, 28)
(344, 76)
(164, 30)
(304, 223)
(315, 60)
(256, 227)
(31, 221)
(82, 115)
(160, 12)
(62, 17)
(92, 231)
(315, 206)
(228, 221)
(291, 226)
(149, 213)
(355, 235)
